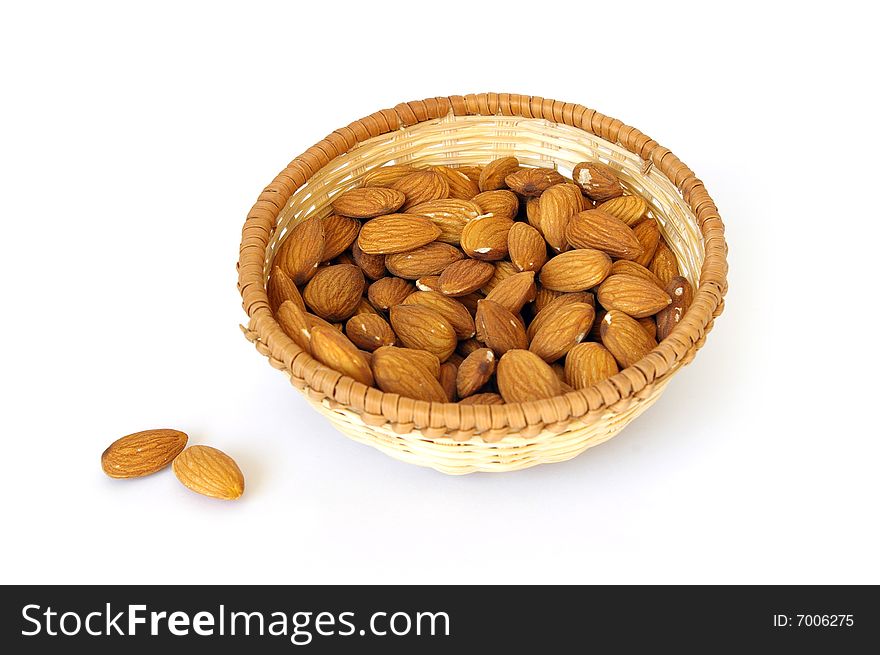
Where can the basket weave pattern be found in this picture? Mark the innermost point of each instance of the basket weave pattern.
(475, 129)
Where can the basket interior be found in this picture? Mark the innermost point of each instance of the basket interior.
(461, 140)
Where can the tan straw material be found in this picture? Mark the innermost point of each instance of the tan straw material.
(475, 129)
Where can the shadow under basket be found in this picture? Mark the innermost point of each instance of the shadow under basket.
(476, 129)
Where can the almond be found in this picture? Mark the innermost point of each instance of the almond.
(302, 250)
(209, 472)
(465, 276)
(568, 327)
(514, 292)
(556, 207)
(533, 212)
(339, 233)
(142, 453)
(543, 296)
(366, 307)
(280, 288)
(597, 181)
(475, 371)
(648, 233)
(498, 328)
(548, 313)
(460, 185)
(470, 301)
(625, 338)
(501, 204)
(450, 215)
(333, 349)
(448, 375)
(576, 270)
(494, 173)
(369, 331)
(682, 296)
(523, 376)
(296, 325)
(335, 291)
(372, 265)
(526, 247)
(532, 182)
(393, 233)
(596, 229)
(389, 291)
(428, 283)
(449, 308)
(664, 265)
(588, 363)
(482, 399)
(626, 267)
(430, 259)
(472, 172)
(367, 202)
(629, 209)
(421, 186)
(632, 295)
(486, 238)
(503, 270)
(386, 175)
(396, 370)
(467, 346)
(649, 325)
(422, 328)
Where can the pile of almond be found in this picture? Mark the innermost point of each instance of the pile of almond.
(479, 284)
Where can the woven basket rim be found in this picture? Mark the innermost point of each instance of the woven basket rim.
(377, 407)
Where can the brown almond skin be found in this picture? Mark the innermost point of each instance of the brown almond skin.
(302, 250)
(587, 364)
(386, 235)
(625, 338)
(335, 291)
(428, 283)
(421, 186)
(472, 172)
(450, 215)
(499, 329)
(576, 270)
(384, 176)
(465, 276)
(500, 203)
(682, 294)
(369, 331)
(526, 247)
(447, 378)
(532, 182)
(422, 328)
(598, 181)
(296, 325)
(396, 370)
(431, 259)
(523, 376)
(494, 173)
(485, 238)
(280, 288)
(339, 233)
(449, 308)
(514, 291)
(460, 185)
(334, 349)
(548, 312)
(142, 453)
(389, 291)
(475, 371)
(209, 472)
(648, 233)
(367, 202)
(482, 399)
(556, 206)
(664, 265)
(626, 267)
(629, 209)
(633, 295)
(503, 270)
(649, 325)
(568, 328)
(372, 265)
(596, 229)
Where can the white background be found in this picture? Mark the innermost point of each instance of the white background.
(134, 141)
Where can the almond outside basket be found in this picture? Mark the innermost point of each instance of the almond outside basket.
(475, 129)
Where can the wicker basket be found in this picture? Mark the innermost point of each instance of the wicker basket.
(474, 129)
